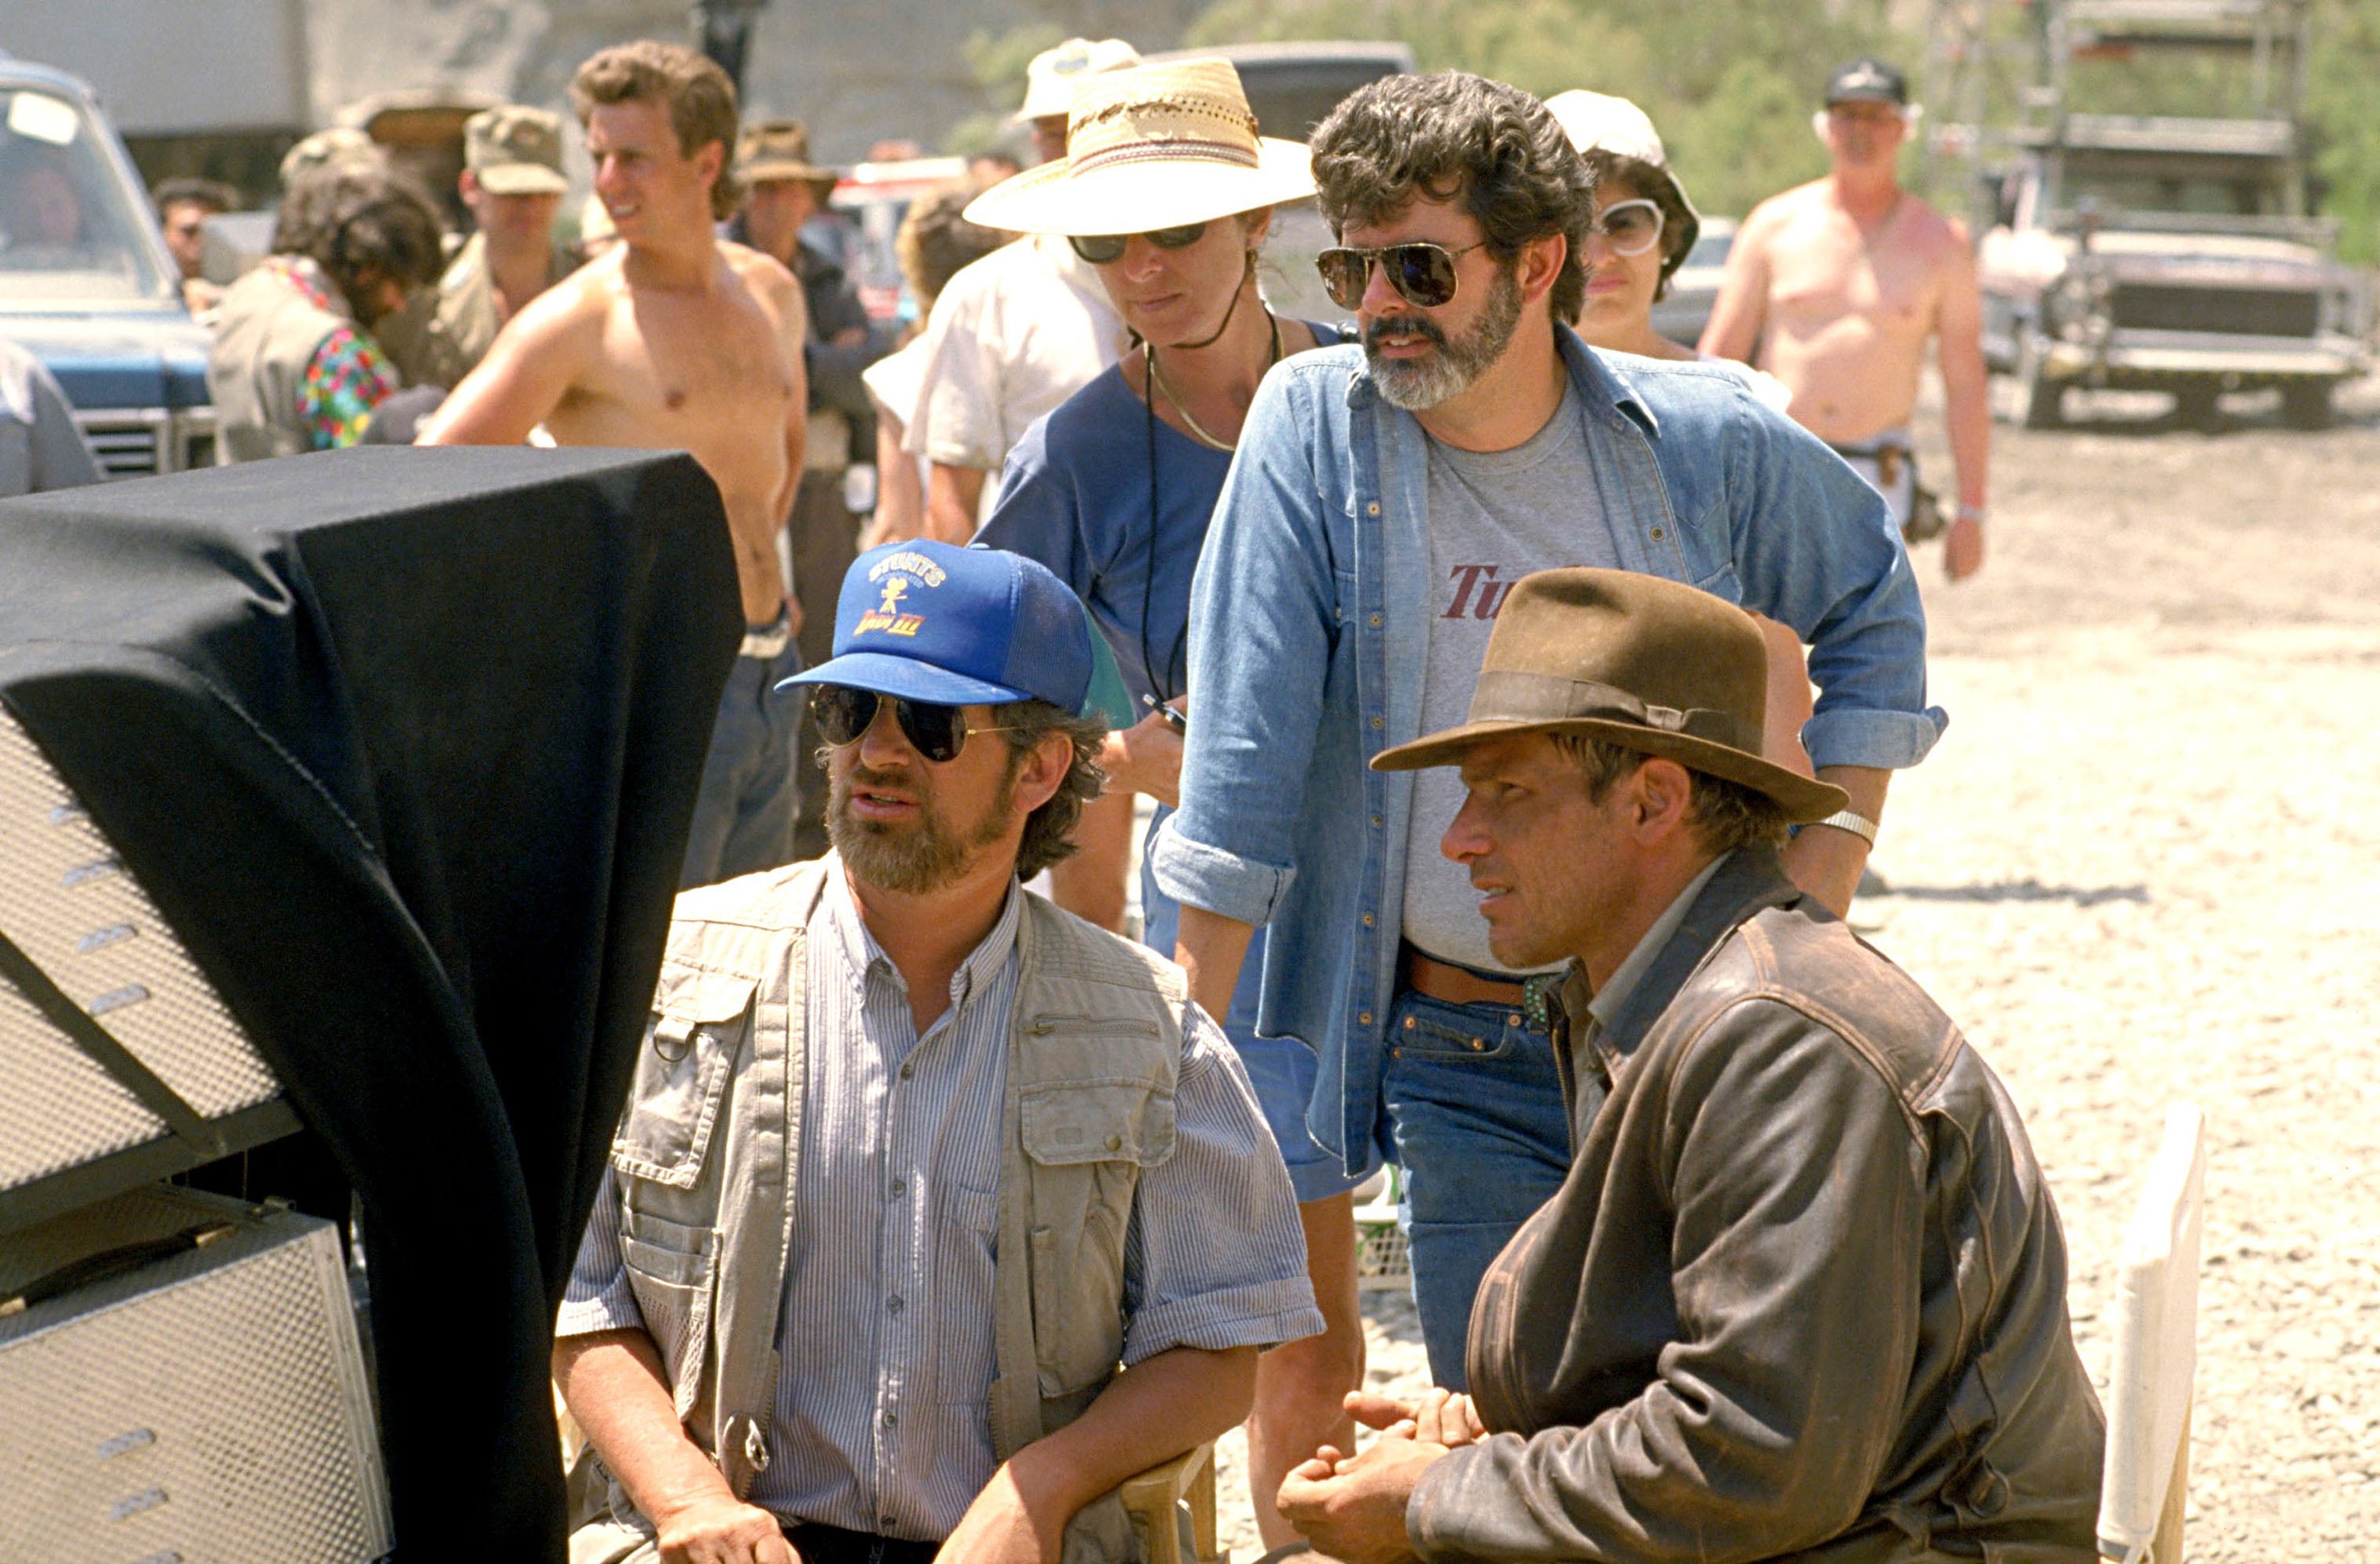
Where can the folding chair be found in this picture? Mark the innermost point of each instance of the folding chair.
(1154, 1499)
(2143, 1494)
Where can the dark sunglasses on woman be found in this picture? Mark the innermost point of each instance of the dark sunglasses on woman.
(1422, 273)
(1100, 250)
(842, 714)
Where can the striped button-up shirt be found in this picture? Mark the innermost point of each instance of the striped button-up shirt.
(882, 1421)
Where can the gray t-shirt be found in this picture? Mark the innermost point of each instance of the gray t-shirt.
(1494, 517)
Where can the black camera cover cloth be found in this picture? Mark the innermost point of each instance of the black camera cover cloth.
(403, 745)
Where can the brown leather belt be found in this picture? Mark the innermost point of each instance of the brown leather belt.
(1455, 985)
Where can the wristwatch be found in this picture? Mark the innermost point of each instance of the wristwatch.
(1858, 824)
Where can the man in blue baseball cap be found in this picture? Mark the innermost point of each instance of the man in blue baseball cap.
(856, 1287)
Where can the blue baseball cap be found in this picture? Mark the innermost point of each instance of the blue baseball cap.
(956, 627)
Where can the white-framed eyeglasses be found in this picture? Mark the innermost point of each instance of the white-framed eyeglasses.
(1630, 227)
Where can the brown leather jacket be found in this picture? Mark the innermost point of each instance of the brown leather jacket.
(1803, 1295)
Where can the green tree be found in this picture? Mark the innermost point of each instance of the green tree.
(1730, 84)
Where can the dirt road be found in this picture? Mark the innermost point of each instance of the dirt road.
(2143, 867)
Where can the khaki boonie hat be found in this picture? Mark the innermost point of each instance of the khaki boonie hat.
(341, 144)
(1650, 664)
(515, 151)
(778, 149)
(1156, 146)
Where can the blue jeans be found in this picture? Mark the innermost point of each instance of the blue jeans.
(744, 815)
(1476, 1103)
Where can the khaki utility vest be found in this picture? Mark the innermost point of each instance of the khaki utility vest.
(266, 333)
(707, 1152)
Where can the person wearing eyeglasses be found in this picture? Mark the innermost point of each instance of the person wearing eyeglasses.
(1167, 192)
(1383, 499)
(914, 1160)
(1645, 225)
(1837, 286)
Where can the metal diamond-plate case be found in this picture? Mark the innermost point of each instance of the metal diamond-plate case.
(74, 909)
(211, 1406)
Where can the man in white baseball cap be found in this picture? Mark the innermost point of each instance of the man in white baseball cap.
(1050, 80)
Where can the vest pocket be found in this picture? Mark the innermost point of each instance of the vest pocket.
(697, 1025)
(670, 1269)
(1088, 1140)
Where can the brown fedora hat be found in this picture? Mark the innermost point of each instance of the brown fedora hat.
(1642, 662)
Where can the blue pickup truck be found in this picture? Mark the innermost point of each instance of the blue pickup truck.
(86, 283)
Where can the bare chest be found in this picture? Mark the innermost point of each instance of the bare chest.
(1823, 270)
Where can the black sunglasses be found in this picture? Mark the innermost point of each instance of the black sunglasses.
(938, 733)
(1100, 250)
(1422, 273)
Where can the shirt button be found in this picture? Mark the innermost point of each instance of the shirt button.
(1373, 508)
(908, 1070)
(1658, 534)
(885, 1523)
(1115, 1142)
(900, 1187)
(1367, 919)
(1376, 621)
(1376, 722)
(894, 1303)
(1376, 823)
(891, 1421)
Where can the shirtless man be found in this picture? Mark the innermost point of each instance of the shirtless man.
(1838, 283)
(674, 340)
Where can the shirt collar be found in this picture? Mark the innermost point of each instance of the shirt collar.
(1609, 395)
(1605, 1006)
(865, 957)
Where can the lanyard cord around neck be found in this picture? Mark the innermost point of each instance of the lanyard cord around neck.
(1161, 682)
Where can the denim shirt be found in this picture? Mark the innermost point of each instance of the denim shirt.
(1309, 632)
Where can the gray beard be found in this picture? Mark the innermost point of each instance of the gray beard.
(1417, 385)
(924, 858)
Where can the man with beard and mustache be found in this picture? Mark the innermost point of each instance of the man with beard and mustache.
(1383, 500)
(914, 1160)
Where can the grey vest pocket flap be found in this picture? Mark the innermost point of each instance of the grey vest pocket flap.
(698, 1023)
(1072, 1122)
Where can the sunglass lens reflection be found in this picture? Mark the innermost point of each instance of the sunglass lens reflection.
(843, 713)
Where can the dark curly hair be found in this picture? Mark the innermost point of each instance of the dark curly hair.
(935, 242)
(1049, 830)
(361, 220)
(1456, 136)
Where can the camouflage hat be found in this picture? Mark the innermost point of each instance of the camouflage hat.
(515, 151)
(778, 149)
(341, 143)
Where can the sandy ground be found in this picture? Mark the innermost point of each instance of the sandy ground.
(2143, 867)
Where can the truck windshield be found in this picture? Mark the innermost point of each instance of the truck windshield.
(2197, 192)
(70, 227)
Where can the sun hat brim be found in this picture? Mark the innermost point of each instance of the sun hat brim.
(1802, 799)
(1150, 191)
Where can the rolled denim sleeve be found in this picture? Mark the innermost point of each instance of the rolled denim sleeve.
(1214, 1257)
(1816, 548)
(599, 1296)
(1263, 618)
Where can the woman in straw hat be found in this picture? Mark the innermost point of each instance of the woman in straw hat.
(1644, 226)
(1168, 190)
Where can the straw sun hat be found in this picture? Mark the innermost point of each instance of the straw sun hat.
(1159, 146)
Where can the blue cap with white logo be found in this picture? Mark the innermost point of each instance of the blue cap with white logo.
(954, 627)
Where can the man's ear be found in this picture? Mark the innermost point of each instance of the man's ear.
(711, 159)
(1662, 799)
(1043, 772)
(1541, 265)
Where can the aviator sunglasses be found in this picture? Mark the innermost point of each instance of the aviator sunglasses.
(1102, 250)
(936, 732)
(1422, 273)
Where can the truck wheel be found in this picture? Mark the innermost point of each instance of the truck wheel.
(2305, 404)
(2194, 405)
(2040, 401)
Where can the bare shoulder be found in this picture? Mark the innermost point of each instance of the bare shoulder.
(1772, 216)
(572, 309)
(1941, 238)
(778, 292)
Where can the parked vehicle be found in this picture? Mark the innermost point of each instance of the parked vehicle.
(86, 282)
(2170, 254)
